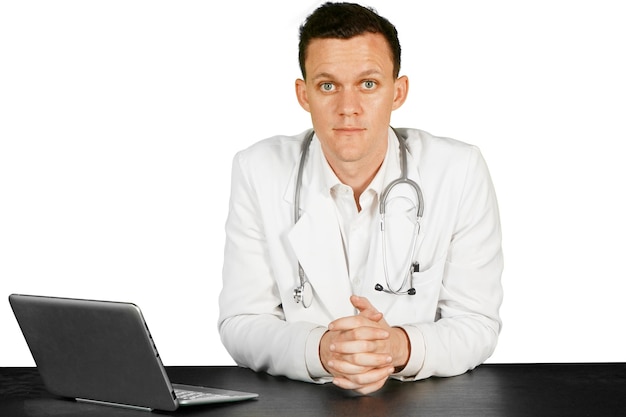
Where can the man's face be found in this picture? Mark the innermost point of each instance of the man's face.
(350, 92)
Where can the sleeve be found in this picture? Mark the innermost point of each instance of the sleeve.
(252, 324)
(466, 331)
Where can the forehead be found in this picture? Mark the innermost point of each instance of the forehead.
(337, 56)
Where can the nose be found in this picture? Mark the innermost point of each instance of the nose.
(349, 103)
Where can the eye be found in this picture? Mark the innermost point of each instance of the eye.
(327, 87)
(369, 84)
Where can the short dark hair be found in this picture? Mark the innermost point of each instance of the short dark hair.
(345, 21)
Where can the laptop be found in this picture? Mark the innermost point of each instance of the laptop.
(102, 352)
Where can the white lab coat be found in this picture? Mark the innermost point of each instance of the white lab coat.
(452, 320)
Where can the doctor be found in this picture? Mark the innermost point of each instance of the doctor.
(419, 297)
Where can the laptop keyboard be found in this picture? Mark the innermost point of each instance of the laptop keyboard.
(183, 394)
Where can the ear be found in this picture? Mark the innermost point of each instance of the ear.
(401, 87)
(301, 94)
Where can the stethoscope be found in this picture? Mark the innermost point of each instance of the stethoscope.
(304, 292)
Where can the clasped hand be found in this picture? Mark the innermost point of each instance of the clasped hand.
(362, 351)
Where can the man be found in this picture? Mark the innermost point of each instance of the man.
(415, 298)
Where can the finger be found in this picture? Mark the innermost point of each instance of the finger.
(363, 361)
(342, 346)
(367, 309)
(365, 382)
(363, 305)
(354, 323)
(363, 339)
(370, 388)
(371, 315)
(348, 347)
(343, 368)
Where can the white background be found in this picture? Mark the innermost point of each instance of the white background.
(119, 121)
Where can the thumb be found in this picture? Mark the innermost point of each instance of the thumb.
(366, 309)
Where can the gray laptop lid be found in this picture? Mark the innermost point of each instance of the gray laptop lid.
(95, 350)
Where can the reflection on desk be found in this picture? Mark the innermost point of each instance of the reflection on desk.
(489, 390)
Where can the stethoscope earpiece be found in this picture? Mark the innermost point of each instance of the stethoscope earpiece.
(410, 291)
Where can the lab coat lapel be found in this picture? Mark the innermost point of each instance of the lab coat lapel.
(317, 243)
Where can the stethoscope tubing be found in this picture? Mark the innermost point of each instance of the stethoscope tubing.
(303, 293)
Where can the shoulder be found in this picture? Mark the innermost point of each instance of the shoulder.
(444, 160)
(428, 149)
(268, 163)
(272, 150)
(420, 141)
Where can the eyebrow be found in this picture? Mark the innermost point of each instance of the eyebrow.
(364, 74)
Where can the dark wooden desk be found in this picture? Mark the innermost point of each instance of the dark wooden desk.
(489, 390)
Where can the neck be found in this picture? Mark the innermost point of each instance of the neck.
(357, 176)
(359, 171)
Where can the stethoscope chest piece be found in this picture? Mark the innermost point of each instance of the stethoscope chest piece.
(304, 294)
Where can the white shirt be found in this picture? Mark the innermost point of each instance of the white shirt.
(356, 226)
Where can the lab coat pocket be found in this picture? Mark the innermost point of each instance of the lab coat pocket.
(422, 306)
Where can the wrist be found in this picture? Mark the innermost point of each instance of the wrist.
(323, 350)
(401, 349)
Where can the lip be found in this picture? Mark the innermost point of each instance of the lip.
(349, 129)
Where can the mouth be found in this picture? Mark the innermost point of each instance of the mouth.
(349, 129)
